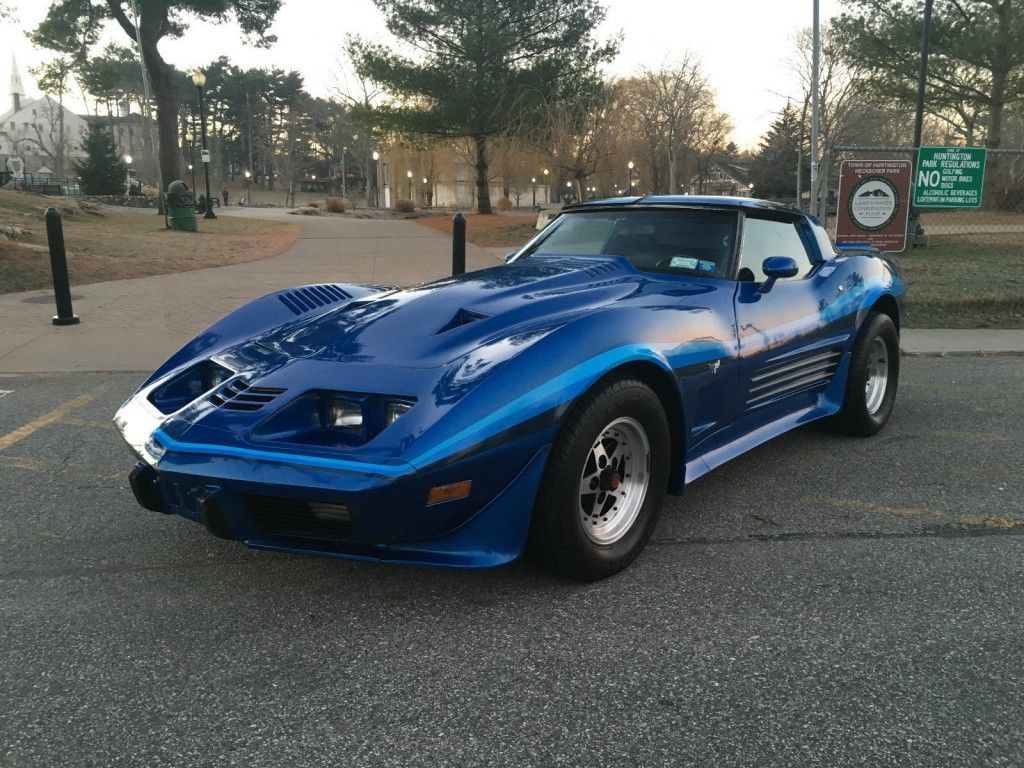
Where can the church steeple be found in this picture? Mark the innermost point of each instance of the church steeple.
(17, 89)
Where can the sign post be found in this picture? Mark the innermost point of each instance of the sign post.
(949, 177)
(874, 202)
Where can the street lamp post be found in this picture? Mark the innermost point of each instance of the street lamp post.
(343, 151)
(547, 187)
(533, 183)
(408, 175)
(376, 179)
(630, 166)
(199, 80)
(426, 190)
(128, 176)
(248, 187)
(191, 158)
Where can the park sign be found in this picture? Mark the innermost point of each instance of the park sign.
(874, 202)
(949, 177)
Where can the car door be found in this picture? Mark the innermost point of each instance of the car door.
(788, 354)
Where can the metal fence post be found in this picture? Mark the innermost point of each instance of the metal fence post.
(458, 244)
(59, 267)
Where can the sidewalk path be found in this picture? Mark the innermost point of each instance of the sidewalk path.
(134, 325)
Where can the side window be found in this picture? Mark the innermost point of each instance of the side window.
(763, 238)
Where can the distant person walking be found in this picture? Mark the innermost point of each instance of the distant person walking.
(224, 194)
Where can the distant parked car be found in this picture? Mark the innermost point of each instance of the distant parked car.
(630, 347)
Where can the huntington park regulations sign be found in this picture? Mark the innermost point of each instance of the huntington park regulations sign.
(874, 201)
(949, 177)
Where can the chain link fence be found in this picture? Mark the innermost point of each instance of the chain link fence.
(964, 266)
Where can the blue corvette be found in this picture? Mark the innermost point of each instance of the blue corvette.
(548, 404)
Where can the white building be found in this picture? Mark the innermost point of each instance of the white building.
(40, 132)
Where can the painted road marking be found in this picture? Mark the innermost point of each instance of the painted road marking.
(976, 521)
(76, 422)
(19, 462)
(5, 392)
(58, 413)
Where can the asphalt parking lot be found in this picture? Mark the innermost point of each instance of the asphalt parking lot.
(823, 601)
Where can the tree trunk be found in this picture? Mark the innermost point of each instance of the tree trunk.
(166, 112)
(483, 190)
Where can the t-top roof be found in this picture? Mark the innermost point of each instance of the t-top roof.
(717, 201)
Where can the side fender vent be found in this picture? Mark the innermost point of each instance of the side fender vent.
(462, 317)
(302, 300)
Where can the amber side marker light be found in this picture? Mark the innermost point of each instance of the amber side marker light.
(442, 493)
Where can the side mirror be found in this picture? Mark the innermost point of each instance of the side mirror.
(510, 255)
(776, 267)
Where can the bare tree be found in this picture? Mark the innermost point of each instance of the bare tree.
(679, 98)
(47, 135)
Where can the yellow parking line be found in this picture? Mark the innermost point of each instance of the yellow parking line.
(76, 422)
(858, 505)
(19, 462)
(58, 413)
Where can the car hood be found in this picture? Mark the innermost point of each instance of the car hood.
(433, 324)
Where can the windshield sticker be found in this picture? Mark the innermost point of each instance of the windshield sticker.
(682, 262)
(706, 266)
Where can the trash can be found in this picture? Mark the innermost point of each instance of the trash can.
(181, 207)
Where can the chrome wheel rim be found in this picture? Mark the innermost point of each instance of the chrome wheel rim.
(613, 484)
(878, 375)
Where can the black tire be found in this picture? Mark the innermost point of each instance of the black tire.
(855, 417)
(557, 536)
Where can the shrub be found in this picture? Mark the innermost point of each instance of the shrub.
(504, 204)
(405, 206)
(313, 205)
(305, 211)
(337, 204)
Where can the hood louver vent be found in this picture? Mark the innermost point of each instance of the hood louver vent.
(601, 269)
(463, 317)
(310, 297)
(239, 396)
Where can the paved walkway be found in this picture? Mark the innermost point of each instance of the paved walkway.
(134, 325)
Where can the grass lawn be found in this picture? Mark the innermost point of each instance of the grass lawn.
(965, 281)
(490, 230)
(108, 244)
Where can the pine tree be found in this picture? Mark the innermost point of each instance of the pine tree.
(773, 171)
(103, 172)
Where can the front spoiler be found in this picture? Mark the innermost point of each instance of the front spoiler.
(494, 534)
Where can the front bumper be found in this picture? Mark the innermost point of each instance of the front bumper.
(292, 503)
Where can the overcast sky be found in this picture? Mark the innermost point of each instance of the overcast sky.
(744, 45)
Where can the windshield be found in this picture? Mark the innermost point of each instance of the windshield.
(681, 240)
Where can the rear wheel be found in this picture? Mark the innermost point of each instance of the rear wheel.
(604, 482)
(873, 378)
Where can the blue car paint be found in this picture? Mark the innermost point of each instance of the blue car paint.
(493, 360)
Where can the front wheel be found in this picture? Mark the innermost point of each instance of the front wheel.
(604, 482)
(873, 378)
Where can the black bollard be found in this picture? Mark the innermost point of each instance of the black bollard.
(458, 244)
(59, 266)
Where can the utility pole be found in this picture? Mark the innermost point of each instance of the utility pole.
(922, 79)
(922, 74)
(815, 109)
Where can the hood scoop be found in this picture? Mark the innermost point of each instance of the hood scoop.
(462, 317)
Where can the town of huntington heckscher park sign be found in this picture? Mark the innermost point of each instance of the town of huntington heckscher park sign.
(949, 177)
(874, 200)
